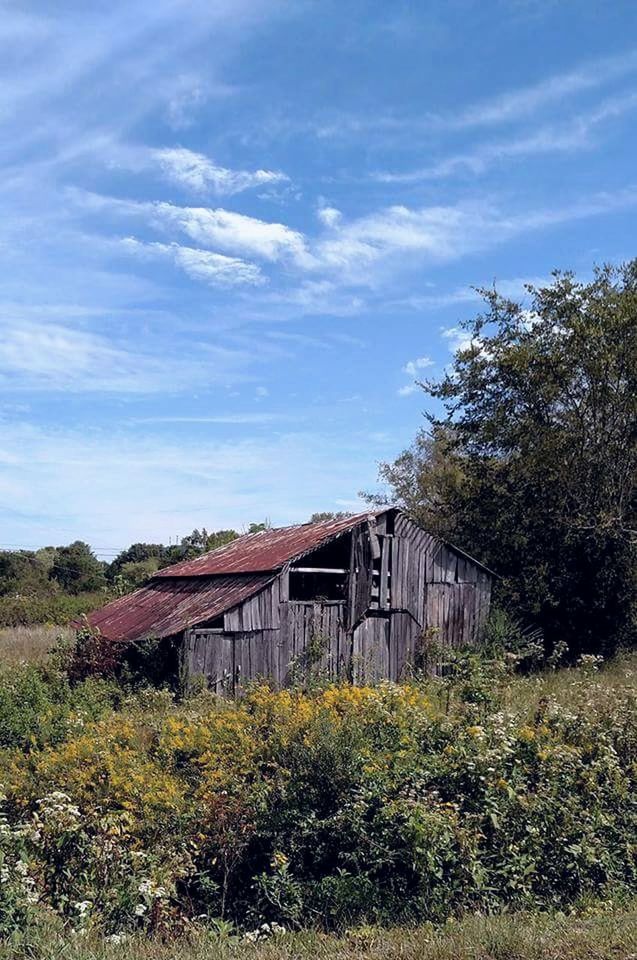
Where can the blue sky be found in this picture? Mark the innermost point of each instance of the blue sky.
(235, 233)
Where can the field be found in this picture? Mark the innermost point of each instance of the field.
(29, 644)
(484, 815)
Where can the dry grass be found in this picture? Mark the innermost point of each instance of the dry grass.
(19, 644)
(606, 934)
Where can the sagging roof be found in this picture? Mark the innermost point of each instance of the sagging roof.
(165, 607)
(268, 550)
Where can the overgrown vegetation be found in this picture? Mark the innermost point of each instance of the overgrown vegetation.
(132, 813)
(532, 466)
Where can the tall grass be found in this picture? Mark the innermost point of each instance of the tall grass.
(602, 933)
(30, 644)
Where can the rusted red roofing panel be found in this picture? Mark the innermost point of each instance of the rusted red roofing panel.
(269, 550)
(165, 607)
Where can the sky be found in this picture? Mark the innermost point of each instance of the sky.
(235, 233)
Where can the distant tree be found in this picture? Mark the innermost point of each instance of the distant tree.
(329, 515)
(198, 542)
(259, 527)
(24, 573)
(135, 573)
(138, 553)
(76, 568)
(533, 465)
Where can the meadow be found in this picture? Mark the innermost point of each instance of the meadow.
(481, 815)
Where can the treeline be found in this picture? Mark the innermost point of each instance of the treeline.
(57, 584)
(529, 459)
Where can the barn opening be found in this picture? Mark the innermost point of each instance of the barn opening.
(323, 573)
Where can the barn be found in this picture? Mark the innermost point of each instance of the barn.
(354, 595)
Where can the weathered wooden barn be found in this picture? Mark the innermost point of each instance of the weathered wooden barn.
(356, 595)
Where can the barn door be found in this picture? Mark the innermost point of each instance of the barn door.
(210, 653)
(364, 546)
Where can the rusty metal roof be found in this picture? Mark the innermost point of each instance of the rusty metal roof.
(265, 551)
(165, 607)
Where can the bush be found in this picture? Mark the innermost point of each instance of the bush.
(40, 707)
(345, 805)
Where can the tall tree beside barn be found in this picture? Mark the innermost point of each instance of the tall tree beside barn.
(533, 464)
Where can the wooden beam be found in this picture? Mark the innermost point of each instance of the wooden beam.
(318, 570)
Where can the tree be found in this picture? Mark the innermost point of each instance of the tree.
(329, 515)
(138, 553)
(259, 527)
(24, 573)
(198, 542)
(533, 465)
(76, 568)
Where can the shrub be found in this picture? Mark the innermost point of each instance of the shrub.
(343, 805)
(40, 707)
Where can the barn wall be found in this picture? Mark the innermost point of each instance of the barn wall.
(260, 612)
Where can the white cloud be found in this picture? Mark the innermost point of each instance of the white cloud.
(184, 100)
(200, 174)
(389, 239)
(233, 419)
(412, 367)
(232, 231)
(53, 357)
(568, 136)
(407, 390)
(210, 227)
(213, 268)
(399, 235)
(458, 339)
(329, 216)
(527, 100)
(172, 481)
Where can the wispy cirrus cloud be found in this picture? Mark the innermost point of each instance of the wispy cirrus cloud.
(199, 173)
(213, 268)
(171, 483)
(235, 232)
(224, 229)
(566, 137)
(525, 101)
(389, 239)
(46, 355)
(51, 356)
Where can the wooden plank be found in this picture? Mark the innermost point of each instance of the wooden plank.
(385, 558)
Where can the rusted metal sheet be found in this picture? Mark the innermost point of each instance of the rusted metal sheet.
(268, 550)
(166, 607)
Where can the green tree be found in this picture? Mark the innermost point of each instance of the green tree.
(196, 543)
(259, 527)
(533, 465)
(137, 553)
(76, 569)
(23, 573)
(329, 515)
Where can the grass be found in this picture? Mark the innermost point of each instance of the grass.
(603, 933)
(29, 644)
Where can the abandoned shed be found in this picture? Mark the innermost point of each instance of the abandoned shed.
(357, 592)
